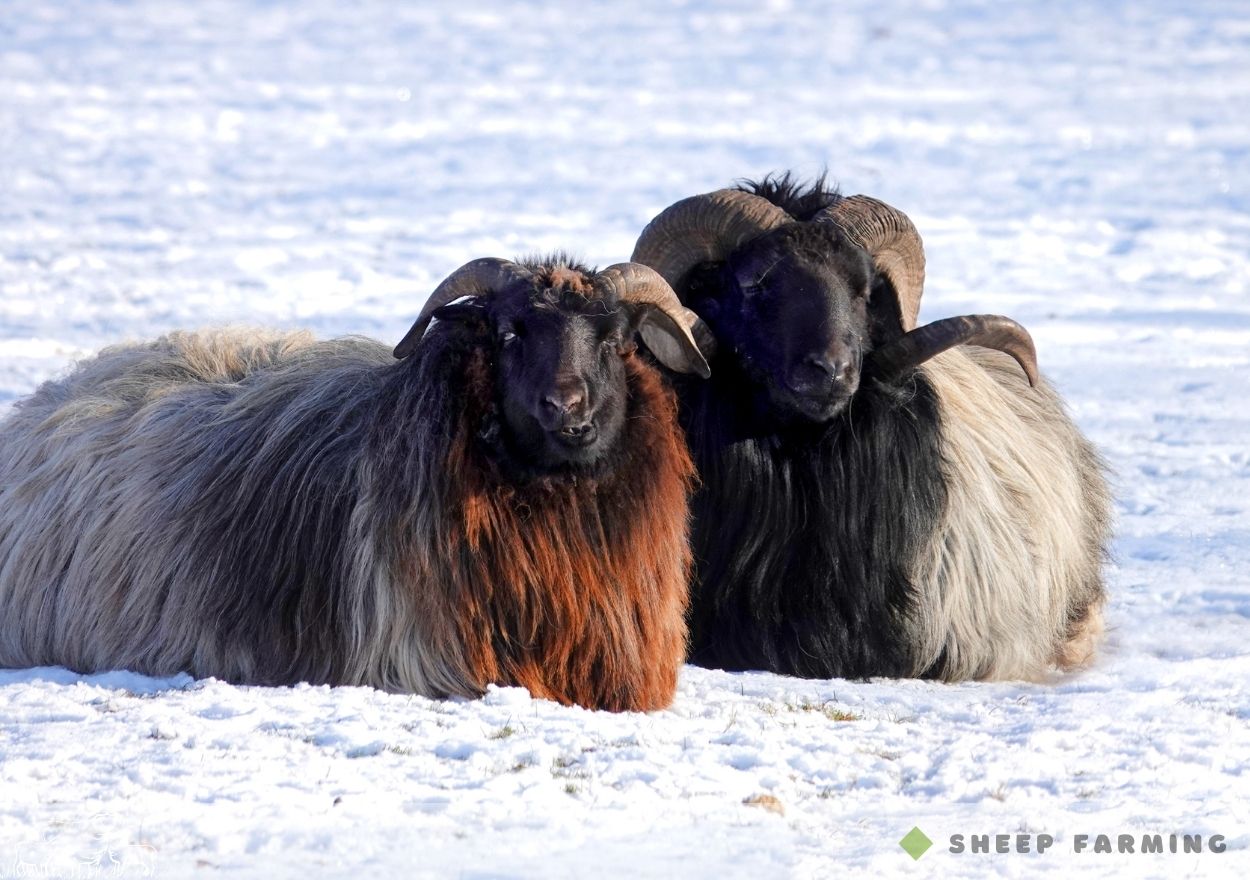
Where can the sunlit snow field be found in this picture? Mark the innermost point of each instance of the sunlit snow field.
(1084, 167)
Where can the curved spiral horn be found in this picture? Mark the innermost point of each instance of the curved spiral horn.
(990, 331)
(891, 239)
(474, 278)
(703, 228)
(668, 329)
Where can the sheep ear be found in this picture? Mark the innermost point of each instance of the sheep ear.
(672, 344)
(466, 308)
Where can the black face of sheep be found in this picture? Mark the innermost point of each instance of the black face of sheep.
(560, 336)
(793, 307)
(810, 308)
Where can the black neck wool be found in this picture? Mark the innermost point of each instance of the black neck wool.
(806, 537)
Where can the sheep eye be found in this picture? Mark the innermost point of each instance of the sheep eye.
(507, 336)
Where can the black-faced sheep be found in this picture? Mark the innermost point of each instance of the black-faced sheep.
(506, 503)
(874, 500)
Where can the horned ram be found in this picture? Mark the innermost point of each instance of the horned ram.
(877, 498)
(505, 503)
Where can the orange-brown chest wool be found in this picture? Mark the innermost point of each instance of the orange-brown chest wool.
(576, 590)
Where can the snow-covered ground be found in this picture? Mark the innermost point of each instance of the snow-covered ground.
(1084, 167)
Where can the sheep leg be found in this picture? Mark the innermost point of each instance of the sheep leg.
(1084, 636)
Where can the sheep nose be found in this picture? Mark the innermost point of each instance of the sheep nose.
(834, 367)
(565, 401)
(566, 408)
(820, 372)
(566, 414)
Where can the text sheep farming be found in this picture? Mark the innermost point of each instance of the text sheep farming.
(507, 503)
(874, 500)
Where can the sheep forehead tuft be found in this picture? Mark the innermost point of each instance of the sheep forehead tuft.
(559, 281)
(568, 289)
(818, 246)
(571, 279)
(816, 241)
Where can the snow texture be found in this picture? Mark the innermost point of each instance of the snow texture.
(1083, 167)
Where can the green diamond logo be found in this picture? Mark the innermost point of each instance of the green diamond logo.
(915, 844)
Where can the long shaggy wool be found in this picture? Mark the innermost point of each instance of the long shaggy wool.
(271, 509)
(1011, 581)
(952, 528)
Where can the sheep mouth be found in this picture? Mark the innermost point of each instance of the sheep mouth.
(575, 448)
(575, 437)
(779, 400)
(821, 411)
(815, 408)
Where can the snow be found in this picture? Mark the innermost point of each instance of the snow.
(1082, 167)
